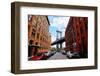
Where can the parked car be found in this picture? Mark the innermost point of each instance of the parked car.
(38, 57)
(53, 52)
(49, 53)
(72, 54)
(63, 52)
(45, 57)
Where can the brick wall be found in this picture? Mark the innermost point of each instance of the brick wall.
(76, 35)
(38, 32)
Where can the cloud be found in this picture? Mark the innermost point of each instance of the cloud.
(60, 20)
(57, 23)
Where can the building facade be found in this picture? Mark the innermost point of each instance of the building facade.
(38, 34)
(76, 35)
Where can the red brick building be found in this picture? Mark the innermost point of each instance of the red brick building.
(38, 34)
(76, 35)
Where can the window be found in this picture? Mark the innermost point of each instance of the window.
(37, 35)
(33, 33)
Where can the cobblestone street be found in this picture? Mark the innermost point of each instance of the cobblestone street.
(58, 55)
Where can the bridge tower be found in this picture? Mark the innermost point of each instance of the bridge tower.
(59, 35)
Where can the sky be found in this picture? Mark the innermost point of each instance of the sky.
(57, 23)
